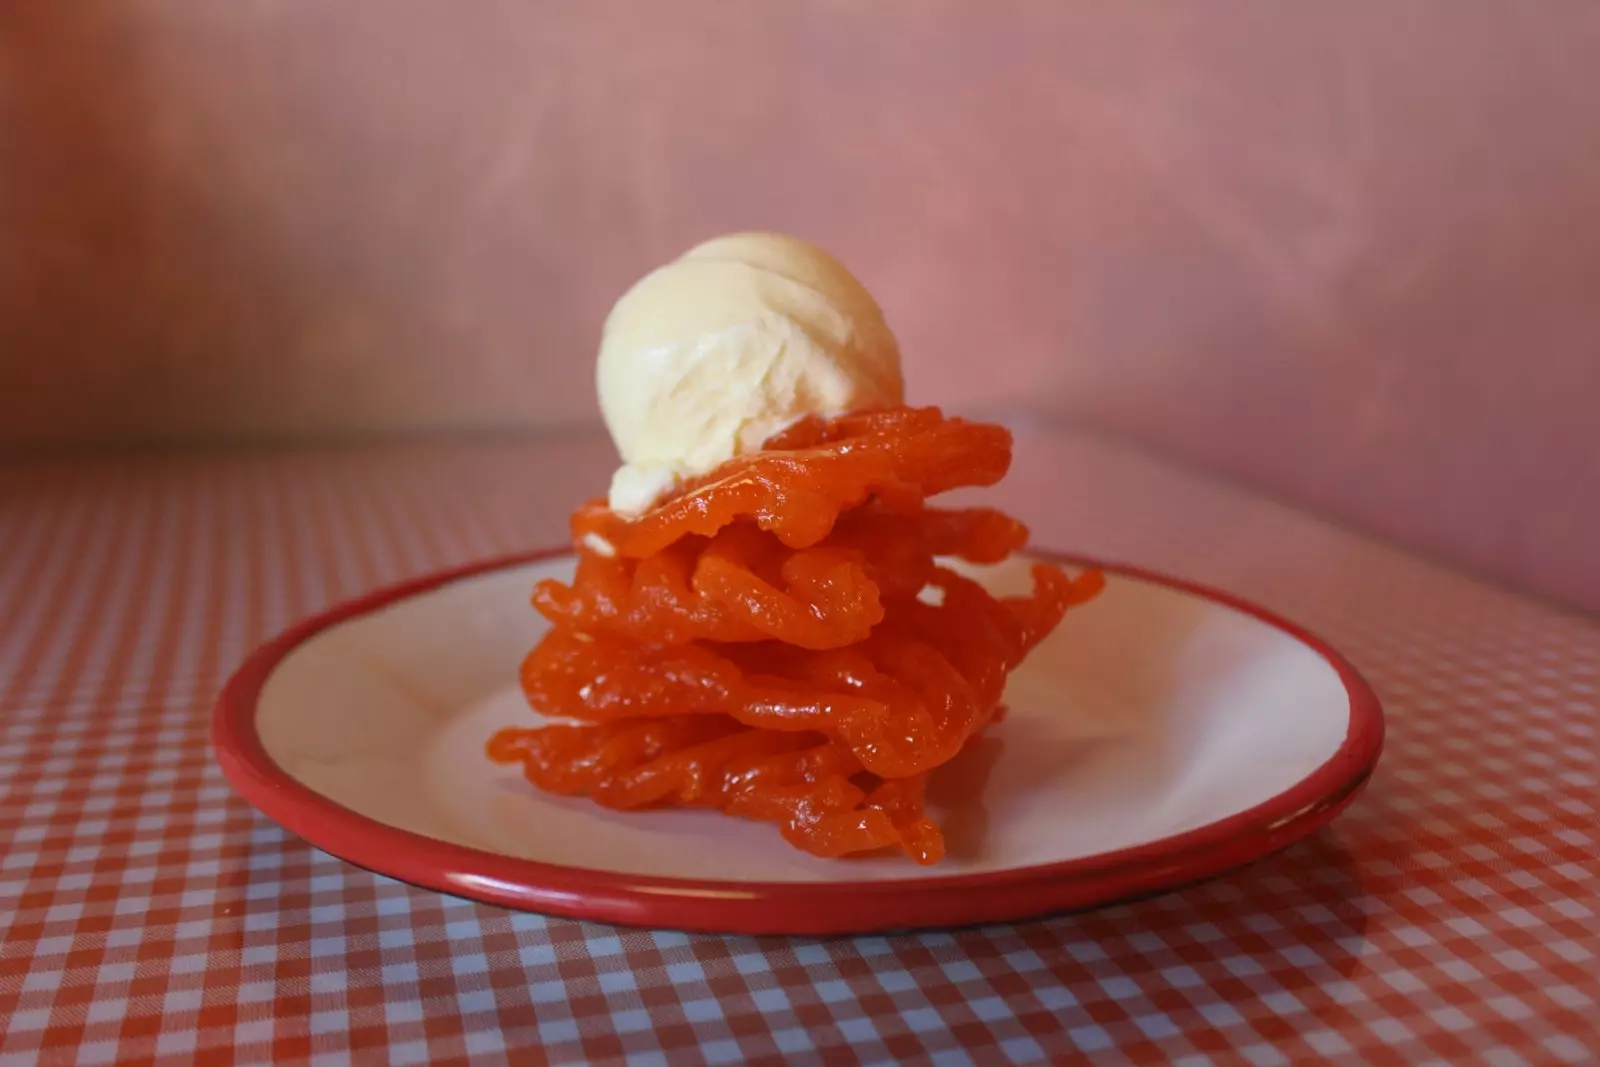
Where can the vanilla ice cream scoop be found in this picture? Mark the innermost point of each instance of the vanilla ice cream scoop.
(708, 356)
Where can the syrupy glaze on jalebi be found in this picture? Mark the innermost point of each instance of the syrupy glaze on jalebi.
(780, 640)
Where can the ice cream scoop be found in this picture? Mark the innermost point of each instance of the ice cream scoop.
(742, 336)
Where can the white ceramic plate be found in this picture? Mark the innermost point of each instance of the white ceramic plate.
(1164, 733)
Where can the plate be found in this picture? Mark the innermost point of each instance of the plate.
(1164, 733)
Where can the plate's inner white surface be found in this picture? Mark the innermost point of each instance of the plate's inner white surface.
(1149, 712)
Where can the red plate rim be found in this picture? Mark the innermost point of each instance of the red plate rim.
(785, 907)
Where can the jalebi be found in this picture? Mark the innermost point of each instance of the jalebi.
(781, 641)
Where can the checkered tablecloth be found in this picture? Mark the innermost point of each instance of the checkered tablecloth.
(151, 916)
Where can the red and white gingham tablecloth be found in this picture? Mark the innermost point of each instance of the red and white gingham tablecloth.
(150, 916)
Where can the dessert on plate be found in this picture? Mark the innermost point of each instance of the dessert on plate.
(763, 619)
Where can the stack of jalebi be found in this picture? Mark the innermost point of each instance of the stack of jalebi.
(779, 641)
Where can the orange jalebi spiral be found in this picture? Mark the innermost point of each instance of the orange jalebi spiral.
(780, 640)
(742, 584)
(810, 788)
(797, 488)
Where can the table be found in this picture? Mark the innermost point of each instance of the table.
(150, 916)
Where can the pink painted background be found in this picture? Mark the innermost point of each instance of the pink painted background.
(1347, 252)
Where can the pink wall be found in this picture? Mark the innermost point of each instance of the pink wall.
(1349, 252)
